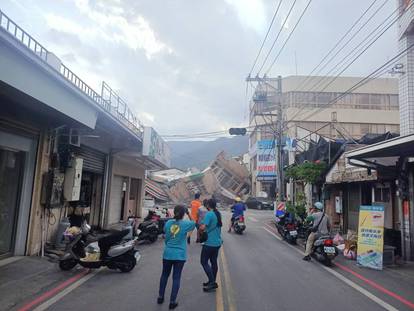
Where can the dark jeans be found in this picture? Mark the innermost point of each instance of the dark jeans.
(210, 253)
(167, 266)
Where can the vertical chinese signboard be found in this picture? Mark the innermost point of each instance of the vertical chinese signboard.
(266, 161)
(371, 236)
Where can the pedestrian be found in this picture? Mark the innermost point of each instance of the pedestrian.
(211, 225)
(202, 211)
(175, 252)
(194, 206)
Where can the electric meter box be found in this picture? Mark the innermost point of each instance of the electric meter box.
(73, 177)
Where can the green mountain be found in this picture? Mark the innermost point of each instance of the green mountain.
(188, 154)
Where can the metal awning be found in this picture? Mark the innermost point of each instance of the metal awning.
(384, 154)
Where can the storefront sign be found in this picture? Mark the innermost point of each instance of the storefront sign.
(155, 147)
(406, 220)
(371, 236)
(266, 160)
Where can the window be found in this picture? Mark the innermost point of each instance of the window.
(382, 194)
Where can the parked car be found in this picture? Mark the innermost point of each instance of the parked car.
(259, 203)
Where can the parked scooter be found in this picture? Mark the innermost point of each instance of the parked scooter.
(110, 251)
(148, 231)
(287, 228)
(239, 225)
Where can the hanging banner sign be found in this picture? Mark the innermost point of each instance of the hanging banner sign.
(266, 160)
(371, 236)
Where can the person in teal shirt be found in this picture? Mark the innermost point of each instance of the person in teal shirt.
(211, 224)
(175, 253)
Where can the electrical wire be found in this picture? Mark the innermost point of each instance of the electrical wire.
(289, 36)
(360, 53)
(363, 46)
(304, 82)
(265, 38)
(361, 82)
(277, 37)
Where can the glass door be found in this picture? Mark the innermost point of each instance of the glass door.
(11, 168)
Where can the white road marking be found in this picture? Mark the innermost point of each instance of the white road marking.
(339, 276)
(6, 261)
(277, 237)
(70, 288)
(66, 291)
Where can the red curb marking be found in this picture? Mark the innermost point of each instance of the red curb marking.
(53, 291)
(377, 286)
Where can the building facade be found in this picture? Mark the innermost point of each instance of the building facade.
(66, 151)
(310, 108)
(406, 77)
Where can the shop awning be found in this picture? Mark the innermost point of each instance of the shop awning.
(385, 154)
(152, 188)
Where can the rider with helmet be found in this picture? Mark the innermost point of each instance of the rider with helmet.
(321, 226)
(238, 210)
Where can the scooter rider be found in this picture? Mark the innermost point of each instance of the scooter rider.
(321, 226)
(238, 210)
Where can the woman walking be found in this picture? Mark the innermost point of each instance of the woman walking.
(211, 225)
(175, 253)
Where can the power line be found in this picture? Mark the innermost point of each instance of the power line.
(304, 82)
(277, 37)
(267, 34)
(368, 43)
(361, 82)
(364, 49)
(290, 35)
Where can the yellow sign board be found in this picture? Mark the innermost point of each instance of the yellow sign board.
(371, 236)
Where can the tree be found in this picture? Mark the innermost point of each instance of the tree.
(307, 172)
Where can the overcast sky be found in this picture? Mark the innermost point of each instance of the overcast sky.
(181, 64)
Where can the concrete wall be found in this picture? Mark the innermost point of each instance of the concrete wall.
(24, 71)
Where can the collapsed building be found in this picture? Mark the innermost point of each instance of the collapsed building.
(225, 178)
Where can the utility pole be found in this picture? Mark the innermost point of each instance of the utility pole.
(279, 141)
(278, 135)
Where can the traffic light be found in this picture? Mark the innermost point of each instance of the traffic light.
(238, 131)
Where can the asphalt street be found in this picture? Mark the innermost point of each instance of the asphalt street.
(257, 272)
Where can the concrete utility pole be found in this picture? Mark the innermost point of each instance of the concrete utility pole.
(278, 135)
(279, 141)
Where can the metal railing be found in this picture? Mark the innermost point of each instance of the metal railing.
(21, 35)
(108, 99)
(113, 102)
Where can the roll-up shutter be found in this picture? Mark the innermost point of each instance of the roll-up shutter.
(93, 160)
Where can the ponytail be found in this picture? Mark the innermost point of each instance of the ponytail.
(179, 212)
(213, 205)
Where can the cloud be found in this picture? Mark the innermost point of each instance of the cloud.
(181, 64)
(251, 13)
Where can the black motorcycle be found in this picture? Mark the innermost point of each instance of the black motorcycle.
(111, 251)
(148, 231)
(287, 229)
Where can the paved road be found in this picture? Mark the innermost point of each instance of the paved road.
(258, 272)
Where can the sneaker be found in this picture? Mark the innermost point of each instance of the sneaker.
(208, 283)
(173, 305)
(160, 300)
(307, 258)
(210, 287)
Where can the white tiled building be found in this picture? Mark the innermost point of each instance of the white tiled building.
(406, 81)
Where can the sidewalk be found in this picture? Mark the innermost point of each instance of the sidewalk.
(27, 277)
(395, 281)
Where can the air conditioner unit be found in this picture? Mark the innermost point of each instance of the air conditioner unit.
(74, 137)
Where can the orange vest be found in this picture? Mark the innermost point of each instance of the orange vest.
(194, 206)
